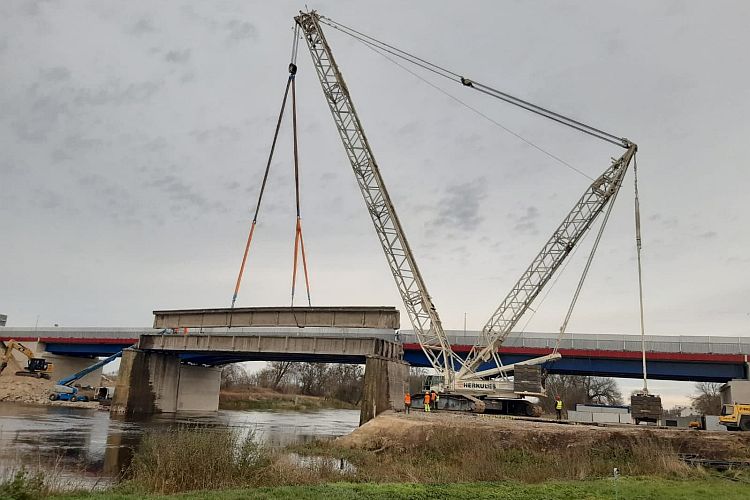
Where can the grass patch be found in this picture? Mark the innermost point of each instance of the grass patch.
(642, 488)
(190, 459)
(24, 485)
(470, 455)
(265, 399)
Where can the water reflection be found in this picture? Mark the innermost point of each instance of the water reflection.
(89, 447)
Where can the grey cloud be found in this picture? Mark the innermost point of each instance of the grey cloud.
(177, 56)
(55, 74)
(116, 93)
(241, 30)
(141, 27)
(526, 223)
(459, 207)
(47, 199)
(182, 195)
(708, 235)
(222, 133)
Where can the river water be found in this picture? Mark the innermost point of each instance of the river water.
(87, 448)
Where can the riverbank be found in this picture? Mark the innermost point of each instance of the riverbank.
(565, 490)
(32, 391)
(260, 398)
(402, 456)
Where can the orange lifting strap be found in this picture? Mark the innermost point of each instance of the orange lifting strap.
(298, 241)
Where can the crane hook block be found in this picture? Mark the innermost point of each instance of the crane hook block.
(292, 69)
(467, 82)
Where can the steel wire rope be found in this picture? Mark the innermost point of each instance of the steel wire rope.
(585, 272)
(529, 106)
(477, 111)
(640, 272)
(290, 79)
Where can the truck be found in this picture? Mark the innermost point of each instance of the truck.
(735, 405)
(64, 390)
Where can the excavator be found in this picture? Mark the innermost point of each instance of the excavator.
(479, 382)
(35, 367)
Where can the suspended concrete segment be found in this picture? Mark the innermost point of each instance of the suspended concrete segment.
(334, 317)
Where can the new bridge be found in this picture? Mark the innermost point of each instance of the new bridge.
(686, 358)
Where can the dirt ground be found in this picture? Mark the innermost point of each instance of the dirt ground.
(30, 390)
(400, 431)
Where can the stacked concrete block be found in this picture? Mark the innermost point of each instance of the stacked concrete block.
(600, 414)
(580, 416)
(605, 417)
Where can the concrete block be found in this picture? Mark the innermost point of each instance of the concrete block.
(735, 391)
(601, 409)
(198, 388)
(64, 366)
(712, 423)
(580, 416)
(606, 418)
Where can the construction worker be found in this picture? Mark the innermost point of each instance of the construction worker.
(558, 407)
(433, 400)
(427, 401)
(407, 401)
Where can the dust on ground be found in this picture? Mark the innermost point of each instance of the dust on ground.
(399, 431)
(29, 390)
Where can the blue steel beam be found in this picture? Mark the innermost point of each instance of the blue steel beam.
(658, 370)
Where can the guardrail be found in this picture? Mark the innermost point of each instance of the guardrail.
(608, 342)
(598, 342)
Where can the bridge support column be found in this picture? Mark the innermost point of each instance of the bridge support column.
(154, 382)
(384, 387)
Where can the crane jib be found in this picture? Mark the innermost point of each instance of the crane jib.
(417, 302)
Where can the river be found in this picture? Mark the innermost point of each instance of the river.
(87, 448)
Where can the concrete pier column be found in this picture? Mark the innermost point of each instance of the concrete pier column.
(65, 366)
(385, 384)
(152, 382)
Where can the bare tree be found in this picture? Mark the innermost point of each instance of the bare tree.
(233, 375)
(707, 401)
(279, 371)
(575, 390)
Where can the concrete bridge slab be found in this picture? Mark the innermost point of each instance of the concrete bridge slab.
(333, 317)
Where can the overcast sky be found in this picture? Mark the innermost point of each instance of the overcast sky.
(134, 136)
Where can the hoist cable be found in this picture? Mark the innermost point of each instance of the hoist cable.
(262, 187)
(299, 244)
(585, 272)
(477, 111)
(551, 116)
(640, 273)
(450, 75)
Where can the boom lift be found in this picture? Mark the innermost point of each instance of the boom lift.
(35, 367)
(464, 384)
(64, 389)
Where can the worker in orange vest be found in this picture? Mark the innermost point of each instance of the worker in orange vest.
(407, 402)
(433, 400)
(427, 401)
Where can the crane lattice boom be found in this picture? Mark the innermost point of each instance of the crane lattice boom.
(424, 318)
(549, 259)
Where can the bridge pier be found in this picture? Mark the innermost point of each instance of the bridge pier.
(385, 383)
(154, 382)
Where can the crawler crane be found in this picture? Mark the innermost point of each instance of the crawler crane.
(479, 382)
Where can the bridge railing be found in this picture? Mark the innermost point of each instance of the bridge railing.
(608, 342)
